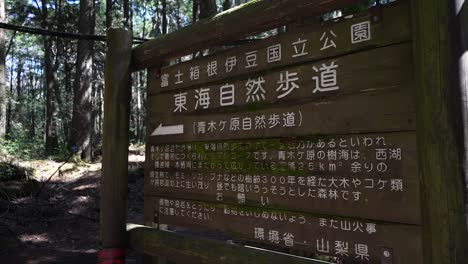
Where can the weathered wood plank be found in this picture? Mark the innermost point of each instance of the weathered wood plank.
(293, 230)
(376, 111)
(115, 139)
(462, 17)
(303, 174)
(374, 70)
(380, 26)
(250, 18)
(444, 229)
(183, 248)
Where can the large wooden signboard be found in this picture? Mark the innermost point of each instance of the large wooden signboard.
(305, 141)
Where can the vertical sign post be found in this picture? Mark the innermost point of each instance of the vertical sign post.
(439, 131)
(114, 182)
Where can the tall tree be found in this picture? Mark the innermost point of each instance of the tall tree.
(227, 4)
(32, 110)
(195, 10)
(3, 100)
(51, 140)
(19, 88)
(164, 16)
(240, 2)
(127, 14)
(177, 14)
(109, 17)
(207, 8)
(9, 109)
(81, 129)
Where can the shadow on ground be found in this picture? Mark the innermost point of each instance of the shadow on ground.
(62, 224)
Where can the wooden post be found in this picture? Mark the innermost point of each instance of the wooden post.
(461, 12)
(439, 132)
(114, 182)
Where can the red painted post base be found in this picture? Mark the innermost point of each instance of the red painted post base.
(111, 256)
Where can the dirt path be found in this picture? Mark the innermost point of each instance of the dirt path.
(62, 225)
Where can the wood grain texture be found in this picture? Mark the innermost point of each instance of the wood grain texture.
(371, 112)
(444, 231)
(388, 25)
(114, 183)
(308, 230)
(250, 18)
(184, 248)
(381, 69)
(272, 174)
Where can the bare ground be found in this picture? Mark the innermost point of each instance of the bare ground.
(61, 225)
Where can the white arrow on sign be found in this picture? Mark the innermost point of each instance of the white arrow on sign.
(168, 130)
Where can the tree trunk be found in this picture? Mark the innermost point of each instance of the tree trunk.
(240, 2)
(228, 4)
(61, 106)
(127, 14)
(100, 108)
(94, 134)
(81, 129)
(164, 17)
(145, 12)
(207, 8)
(178, 14)
(155, 20)
(109, 4)
(140, 117)
(9, 110)
(68, 97)
(32, 113)
(3, 98)
(195, 10)
(51, 141)
(19, 92)
(61, 59)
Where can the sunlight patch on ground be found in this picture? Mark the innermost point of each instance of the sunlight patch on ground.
(81, 199)
(87, 251)
(68, 173)
(71, 172)
(34, 238)
(86, 186)
(21, 200)
(136, 158)
(80, 204)
(46, 259)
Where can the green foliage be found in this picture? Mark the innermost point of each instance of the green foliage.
(354, 9)
(22, 146)
(26, 52)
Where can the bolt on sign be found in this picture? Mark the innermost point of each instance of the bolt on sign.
(303, 141)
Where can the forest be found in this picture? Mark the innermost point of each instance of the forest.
(51, 85)
(52, 60)
(51, 89)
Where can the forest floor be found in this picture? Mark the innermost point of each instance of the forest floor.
(61, 224)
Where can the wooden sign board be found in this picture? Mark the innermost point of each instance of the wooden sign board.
(357, 240)
(377, 28)
(315, 127)
(349, 175)
(234, 109)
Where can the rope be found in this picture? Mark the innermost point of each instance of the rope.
(46, 32)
